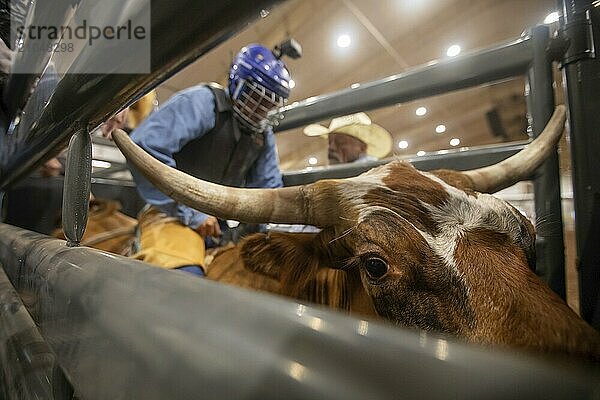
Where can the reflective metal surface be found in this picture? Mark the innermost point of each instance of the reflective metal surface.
(581, 71)
(181, 31)
(28, 368)
(124, 329)
(500, 62)
(453, 159)
(77, 184)
(19, 86)
(549, 251)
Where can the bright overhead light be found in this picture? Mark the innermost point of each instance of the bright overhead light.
(403, 144)
(421, 111)
(313, 161)
(344, 40)
(420, 153)
(292, 83)
(441, 128)
(454, 142)
(552, 17)
(453, 50)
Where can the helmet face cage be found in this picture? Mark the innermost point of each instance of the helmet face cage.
(252, 102)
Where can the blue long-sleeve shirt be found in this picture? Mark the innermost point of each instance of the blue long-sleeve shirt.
(188, 115)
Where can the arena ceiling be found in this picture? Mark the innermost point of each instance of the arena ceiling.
(387, 37)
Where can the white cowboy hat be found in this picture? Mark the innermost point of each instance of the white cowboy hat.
(378, 140)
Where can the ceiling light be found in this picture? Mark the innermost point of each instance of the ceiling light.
(403, 144)
(453, 50)
(440, 128)
(420, 153)
(292, 83)
(454, 142)
(552, 17)
(421, 111)
(313, 161)
(344, 40)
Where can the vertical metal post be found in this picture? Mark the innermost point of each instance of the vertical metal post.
(580, 25)
(540, 103)
(76, 191)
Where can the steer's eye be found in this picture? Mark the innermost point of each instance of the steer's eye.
(376, 267)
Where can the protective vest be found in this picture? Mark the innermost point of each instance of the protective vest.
(225, 154)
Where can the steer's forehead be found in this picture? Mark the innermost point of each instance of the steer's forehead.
(398, 177)
(398, 198)
(395, 186)
(425, 201)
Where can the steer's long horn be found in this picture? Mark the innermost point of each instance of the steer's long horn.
(524, 163)
(291, 205)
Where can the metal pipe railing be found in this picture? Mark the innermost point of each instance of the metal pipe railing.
(19, 85)
(28, 368)
(123, 329)
(484, 66)
(550, 254)
(460, 160)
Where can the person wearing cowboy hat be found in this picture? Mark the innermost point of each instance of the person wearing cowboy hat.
(353, 138)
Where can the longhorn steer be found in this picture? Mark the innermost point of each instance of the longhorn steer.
(430, 249)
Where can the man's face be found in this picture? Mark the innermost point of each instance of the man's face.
(345, 148)
(262, 101)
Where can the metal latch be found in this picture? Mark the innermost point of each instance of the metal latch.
(580, 38)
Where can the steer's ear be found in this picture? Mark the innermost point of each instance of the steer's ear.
(292, 258)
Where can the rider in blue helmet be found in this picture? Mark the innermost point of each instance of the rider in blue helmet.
(258, 83)
(216, 134)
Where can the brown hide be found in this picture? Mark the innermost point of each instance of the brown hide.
(521, 309)
(290, 264)
(228, 267)
(107, 229)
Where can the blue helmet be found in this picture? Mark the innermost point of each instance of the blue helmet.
(258, 83)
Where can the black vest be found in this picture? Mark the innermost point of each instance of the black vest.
(225, 154)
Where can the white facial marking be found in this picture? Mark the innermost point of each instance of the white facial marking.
(354, 189)
(460, 214)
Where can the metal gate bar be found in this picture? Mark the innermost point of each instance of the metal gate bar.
(471, 69)
(123, 329)
(453, 159)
